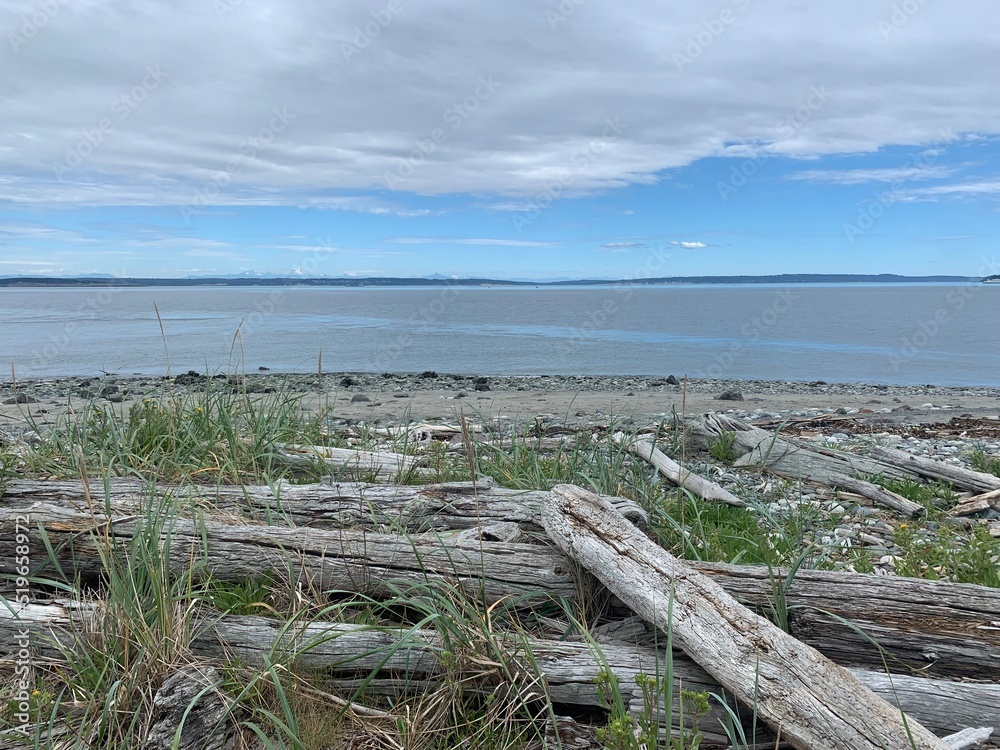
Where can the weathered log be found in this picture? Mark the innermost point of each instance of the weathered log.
(326, 505)
(876, 494)
(972, 737)
(349, 560)
(940, 628)
(787, 456)
(795, 458)
(190, 712)
(933, 627)
(356, 463)
(678, 474)
(971, 507)
(927, 468)
(569, 669)
(814, 703)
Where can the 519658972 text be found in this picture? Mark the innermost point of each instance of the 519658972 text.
(21, 559)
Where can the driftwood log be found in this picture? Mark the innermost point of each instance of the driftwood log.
(326, 505)
(939, 628)
(406, 659)
(678, 474)
(928, 468)
(798, 459)
(814, 703)
(932, 627)
(355, 463)
(347, 560)
(876, 494)
(190, 712)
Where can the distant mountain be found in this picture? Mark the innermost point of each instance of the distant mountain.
(298, 278)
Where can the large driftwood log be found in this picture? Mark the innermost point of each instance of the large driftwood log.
(927, 468)
(785, 456)
(876, 494)
(678, 474)
(409, 659)
(933, 627)
(814, 703)
(348, 560)
(794, 458)
(326, 505)
(939, 628)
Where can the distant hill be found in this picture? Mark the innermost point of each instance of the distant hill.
(440, 280)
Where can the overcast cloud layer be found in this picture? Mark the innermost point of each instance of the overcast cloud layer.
(383, 107)
(183, 89)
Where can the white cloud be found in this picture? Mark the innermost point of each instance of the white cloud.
(469, 241)
(621, 246)
(691, 245)
(955, 190)
(888, 174)
(209, 125)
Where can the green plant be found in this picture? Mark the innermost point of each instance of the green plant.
(933, 496)
(982, 461)
(724, 447)
(222, 433)
(948, 555)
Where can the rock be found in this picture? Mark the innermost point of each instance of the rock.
(480, 381)
(427, 375)
(672, 380)
(22, 398)
(482, 387)
(347, 382)
(359, 398)
(116, 398)
(732, 394)
(191, 377)
(400, 395)
(461, 394)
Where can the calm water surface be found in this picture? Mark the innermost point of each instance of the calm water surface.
(940, 334)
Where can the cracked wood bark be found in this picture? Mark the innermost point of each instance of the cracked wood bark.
(329, 505)
(190, 712)
(941, 628)
(569, 668)
(937, 627)
(678, 474)
(814, 703)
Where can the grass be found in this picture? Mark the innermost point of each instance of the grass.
(221, 434)
(982, 461)
(489, 692)
(934, 496)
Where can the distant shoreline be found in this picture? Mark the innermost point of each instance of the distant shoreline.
(381, 282)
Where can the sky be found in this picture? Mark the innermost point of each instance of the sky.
(534, 139)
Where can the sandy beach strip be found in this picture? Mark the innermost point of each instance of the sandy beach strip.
(571, 399)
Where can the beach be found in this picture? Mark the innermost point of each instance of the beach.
(570, 400)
